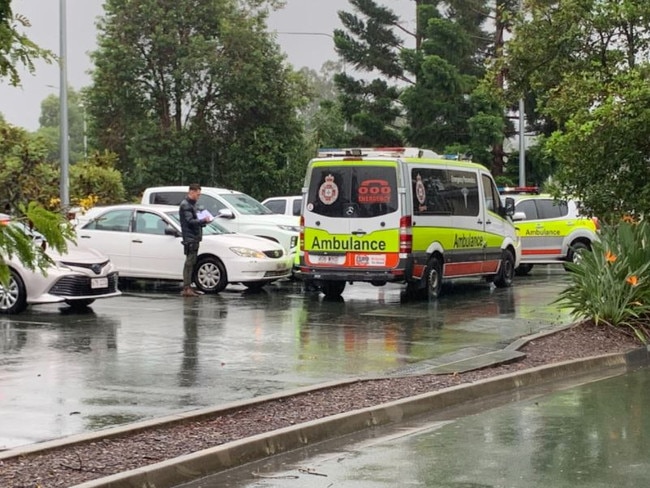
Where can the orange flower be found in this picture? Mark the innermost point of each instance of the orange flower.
(609, 257)
(632, 280)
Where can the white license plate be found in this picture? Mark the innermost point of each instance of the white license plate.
(330, 259)
(98, 283)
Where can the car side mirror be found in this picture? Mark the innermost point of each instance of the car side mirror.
(518, 216)
(510, 206)
(170, 231)
(226, 213)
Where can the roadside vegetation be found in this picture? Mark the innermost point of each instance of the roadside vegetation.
(200, 91)
(610, 286)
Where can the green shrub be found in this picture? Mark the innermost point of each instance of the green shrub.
(611, 284)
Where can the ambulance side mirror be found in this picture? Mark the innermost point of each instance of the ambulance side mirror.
(510, 206)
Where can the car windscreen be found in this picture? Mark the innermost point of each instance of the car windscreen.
(245, 205)
(353, 191)
(210, 229)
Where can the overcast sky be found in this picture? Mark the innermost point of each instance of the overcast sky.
(21, 106)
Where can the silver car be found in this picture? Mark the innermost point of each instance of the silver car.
(78, 278)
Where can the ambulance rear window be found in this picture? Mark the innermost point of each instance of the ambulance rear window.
(353, 191)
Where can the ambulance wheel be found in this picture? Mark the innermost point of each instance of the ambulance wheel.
(434, 277)
(575, 252)
(506, 273)
(523, 269)
(332, 289)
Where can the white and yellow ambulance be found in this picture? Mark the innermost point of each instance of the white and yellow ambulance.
(403, 215)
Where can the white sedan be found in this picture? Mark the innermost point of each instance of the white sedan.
(78, 278)
(144, 241)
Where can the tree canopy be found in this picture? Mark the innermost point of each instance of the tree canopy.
(585, 63)
(194, 91)
(16, 49)
(421, 84)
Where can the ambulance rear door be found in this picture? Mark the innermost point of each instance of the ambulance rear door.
(351, 214)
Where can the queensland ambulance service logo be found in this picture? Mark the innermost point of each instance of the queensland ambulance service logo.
(328, 191)
(420, 191)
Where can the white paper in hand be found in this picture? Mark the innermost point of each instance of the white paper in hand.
(205, 215)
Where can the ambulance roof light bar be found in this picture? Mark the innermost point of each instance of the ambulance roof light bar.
(389, 152)
(512, 190)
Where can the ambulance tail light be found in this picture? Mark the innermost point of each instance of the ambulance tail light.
(596, 222)
(405, 235)
(302, 233)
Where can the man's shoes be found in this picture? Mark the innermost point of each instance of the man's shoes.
(197, 291)
(189, 292)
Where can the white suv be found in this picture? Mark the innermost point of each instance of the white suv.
(235, 211)
(284, 205)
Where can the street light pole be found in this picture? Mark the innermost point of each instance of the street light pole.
(85, 129)
(522, 127)
(63, 99)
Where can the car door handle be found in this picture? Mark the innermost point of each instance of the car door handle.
(488, 222)
(137, 241)
(84, 237)
(358, 233)
(479, 222)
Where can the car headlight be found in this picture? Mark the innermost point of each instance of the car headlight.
(290, 228)
(246, 252)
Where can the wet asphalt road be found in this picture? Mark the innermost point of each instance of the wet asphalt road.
(151, 353)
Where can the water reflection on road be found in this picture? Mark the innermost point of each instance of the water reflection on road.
(150, 353)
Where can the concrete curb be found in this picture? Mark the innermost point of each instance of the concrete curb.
(203, 463)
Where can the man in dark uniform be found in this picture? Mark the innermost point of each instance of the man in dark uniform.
(192, 230)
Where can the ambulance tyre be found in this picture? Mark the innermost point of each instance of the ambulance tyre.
(506, 273)
(575, 252)
(434, 277)
(523, 269)
(332, 289)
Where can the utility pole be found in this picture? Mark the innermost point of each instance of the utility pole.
(522, 130)
(85, 130)
(63, 99)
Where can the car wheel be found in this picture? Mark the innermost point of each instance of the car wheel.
(434, 277)
(210, 275)
(575, 251)
(332, 289)
(506, 273)
(79, 304)
(13, 298)
(523, 269)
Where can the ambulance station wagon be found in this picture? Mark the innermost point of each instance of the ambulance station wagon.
(403, 215)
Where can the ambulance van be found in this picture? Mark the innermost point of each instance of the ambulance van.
(403, 215)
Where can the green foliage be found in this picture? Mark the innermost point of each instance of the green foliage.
(611, 284)
(430, 95)
(50, 125)
(194, 91)
(99, 178)
(27, 176)
(16, 49)
(23, 175)
(582, 66)
(16, 241)
(604, 150)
